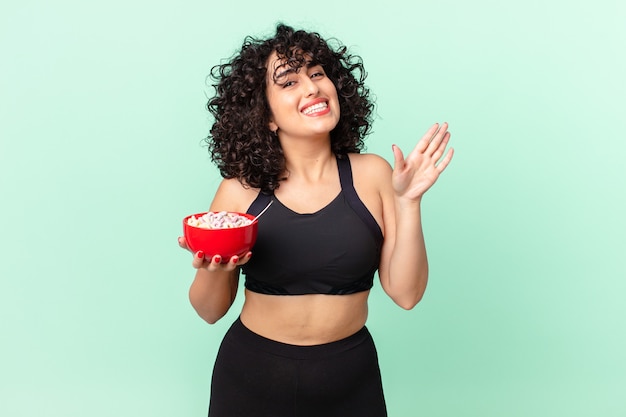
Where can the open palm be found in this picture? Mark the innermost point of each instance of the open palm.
(413, 176)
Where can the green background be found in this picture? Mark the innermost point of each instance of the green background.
(102, 117)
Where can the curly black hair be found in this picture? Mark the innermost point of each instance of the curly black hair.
(240, 142)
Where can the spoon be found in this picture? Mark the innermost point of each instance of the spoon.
(262, 211)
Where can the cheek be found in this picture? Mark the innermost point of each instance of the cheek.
(274, 104)
(283, 104)
(332, 93)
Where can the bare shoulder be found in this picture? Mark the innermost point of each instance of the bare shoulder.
(370, 167)
(371, 176)
(232, 195)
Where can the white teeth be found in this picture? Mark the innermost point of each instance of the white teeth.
(314, 108)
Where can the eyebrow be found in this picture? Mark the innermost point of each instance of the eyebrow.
(309, 64)
(284, 73)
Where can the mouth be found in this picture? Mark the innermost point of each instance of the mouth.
(315, 108)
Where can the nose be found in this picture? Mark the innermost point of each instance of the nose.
(310, 87)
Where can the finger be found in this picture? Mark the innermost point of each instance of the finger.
(398, 157)
(213, 264)
(445, 161)
(198, 259)
(437, 139)
(442, 147)
(182, 242)
(227, 266)
(244, 259)
(426, 139)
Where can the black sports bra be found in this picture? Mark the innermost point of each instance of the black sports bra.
(335, 250)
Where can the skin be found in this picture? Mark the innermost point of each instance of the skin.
(392, 195)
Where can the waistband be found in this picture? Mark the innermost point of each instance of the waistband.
(238, 332)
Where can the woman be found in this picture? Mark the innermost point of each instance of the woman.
(290, 114)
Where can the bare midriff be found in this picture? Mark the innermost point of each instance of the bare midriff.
(305, 320)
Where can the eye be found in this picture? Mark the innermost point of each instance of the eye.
(288, 84)
(317, 72)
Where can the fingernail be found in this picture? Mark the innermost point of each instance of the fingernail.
(217, 259)
(235, 259)
(200, 254)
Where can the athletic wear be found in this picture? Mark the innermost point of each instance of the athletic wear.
(258, 377)
(335, 250)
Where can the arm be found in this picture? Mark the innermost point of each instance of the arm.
(214, 287)
(404, 265)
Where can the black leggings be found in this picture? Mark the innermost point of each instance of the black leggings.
(258, 377)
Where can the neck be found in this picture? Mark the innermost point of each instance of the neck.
(309, 164)
(307, 157)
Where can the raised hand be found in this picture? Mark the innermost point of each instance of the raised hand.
(413, 176)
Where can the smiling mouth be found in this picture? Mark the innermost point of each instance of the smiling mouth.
(316, 108)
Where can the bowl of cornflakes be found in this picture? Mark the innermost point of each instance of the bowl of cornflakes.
(223, 233)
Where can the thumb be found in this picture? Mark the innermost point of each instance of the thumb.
(398, 157)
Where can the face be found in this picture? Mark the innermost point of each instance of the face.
(303, 103)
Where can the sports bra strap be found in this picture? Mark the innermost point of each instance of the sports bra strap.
(260, 202)
(347, 186)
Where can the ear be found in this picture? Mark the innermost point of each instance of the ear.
(273, 126)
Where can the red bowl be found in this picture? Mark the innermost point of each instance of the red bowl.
(224, 242)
